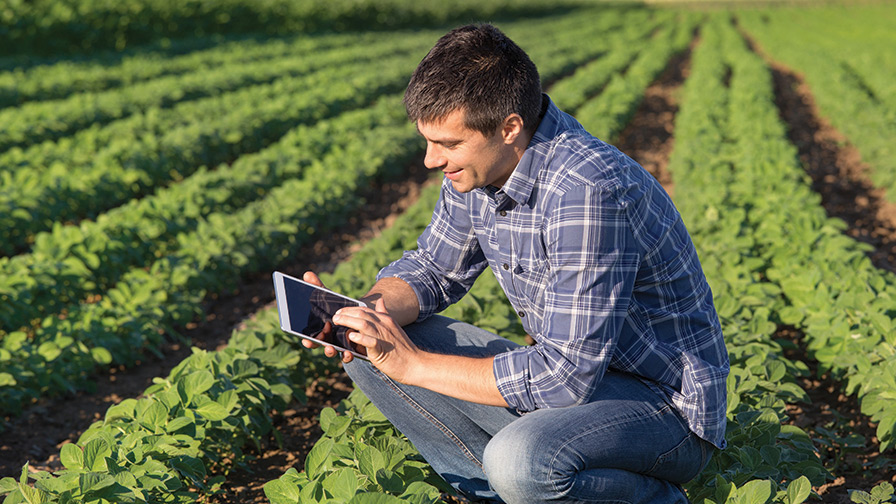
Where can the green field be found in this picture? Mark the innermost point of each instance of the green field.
(155, 153)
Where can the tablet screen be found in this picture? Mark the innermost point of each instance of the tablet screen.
(310, 312)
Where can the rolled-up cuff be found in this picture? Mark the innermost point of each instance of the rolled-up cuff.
(512, 376)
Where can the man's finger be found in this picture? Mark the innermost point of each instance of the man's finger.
(312, 278)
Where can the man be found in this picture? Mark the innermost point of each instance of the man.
(622, 397)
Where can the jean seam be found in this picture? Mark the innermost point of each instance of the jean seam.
(663, 455)
(657, 413)
(429, 416)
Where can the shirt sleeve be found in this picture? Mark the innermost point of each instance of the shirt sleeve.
(448, 258)
(593, 262)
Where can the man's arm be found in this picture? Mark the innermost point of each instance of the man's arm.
(399, 298)
(392, 352)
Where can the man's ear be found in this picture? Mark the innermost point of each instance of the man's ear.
(511, 128)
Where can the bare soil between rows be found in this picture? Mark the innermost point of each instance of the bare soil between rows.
(37, 435)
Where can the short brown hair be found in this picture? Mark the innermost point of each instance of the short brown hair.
(480, 70)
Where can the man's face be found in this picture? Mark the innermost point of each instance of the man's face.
(468, 158)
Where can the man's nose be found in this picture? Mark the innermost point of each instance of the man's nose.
(434, 158)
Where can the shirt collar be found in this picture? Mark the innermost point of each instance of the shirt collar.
(553, 123)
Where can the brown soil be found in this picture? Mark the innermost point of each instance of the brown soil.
(837, 171)
(831, 411)
(648, 137)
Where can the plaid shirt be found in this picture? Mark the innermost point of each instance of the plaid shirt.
(596, 260)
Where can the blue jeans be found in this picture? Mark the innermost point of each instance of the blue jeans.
(627, 445)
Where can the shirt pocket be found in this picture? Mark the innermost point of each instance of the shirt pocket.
(530, 276)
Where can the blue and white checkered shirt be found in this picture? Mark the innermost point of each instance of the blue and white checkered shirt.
(596, 260)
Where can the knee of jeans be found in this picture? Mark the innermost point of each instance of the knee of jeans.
(361, 372)
(517, 466)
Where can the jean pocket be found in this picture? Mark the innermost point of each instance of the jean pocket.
(683, 462)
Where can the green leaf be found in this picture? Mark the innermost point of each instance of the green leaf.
(198, 382)
(860, 497)
(318, 458)
(212, 411)
(95, 453)
(34, 495)
(7, 380)
(798, 490)
(94, 481)
(181, 423)
(8, 485)
(370, 460)
(155, 416)
(71, 456)
(755, 492)
(101, 356)
(280, 492)
(326, 418)
(342, 483)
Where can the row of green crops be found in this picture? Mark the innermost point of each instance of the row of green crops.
(37, 121)
(55, 80)
(52, 27)
(847, 59)
(141, 269)
(109, 166)
(772, 256)
(165, 446)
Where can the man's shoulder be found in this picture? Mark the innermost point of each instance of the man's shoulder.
(579, 158)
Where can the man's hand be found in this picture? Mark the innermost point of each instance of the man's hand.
(388, 346)
(329, 351)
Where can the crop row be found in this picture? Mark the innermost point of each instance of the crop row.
(835, 295)
(848, 71)
(35, 122)
(605, 117)
(746, 201)
(52, 27)
(146, 302)
(163, 447)
(157, 146)
(54, 80)
(69, 263)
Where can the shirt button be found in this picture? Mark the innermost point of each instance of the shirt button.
(503, 213)
(521, 314)
(506, 266)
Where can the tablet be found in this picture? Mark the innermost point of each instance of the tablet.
(307, 310)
